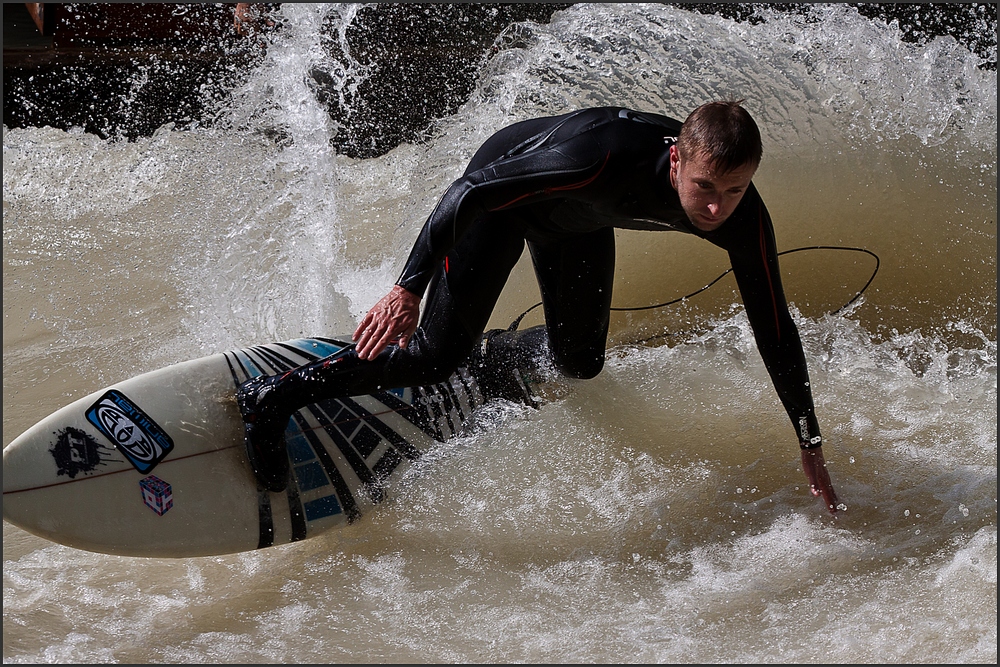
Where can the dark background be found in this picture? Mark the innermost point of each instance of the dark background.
(123, 70)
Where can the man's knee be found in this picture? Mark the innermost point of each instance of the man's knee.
(582, 366)
(578, 350)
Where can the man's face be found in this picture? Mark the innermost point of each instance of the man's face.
(707, 196)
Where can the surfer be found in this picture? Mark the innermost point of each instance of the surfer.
(560, 185)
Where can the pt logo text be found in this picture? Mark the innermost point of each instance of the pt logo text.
(131, 430)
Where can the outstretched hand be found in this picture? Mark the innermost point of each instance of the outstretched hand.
(814, 466)
(393, 318)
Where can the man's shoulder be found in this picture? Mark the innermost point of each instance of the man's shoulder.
(625, 116)
(647, 118)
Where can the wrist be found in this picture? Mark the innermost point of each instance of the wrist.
(401, 291)
(808, 432)
(814, 443)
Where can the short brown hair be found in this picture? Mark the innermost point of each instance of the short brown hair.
(724, 132)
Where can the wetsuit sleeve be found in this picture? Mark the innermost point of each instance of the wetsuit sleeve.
(755, 265)
(510, 182)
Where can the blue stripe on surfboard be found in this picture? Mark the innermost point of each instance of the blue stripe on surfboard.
(314, 347)
(276, 360)
(264, 361)
(250, 366)
(343, 491)
(299, 449)
(322, 508)
(310, 476)
(324, 413)
(327, 420)
(261, 361)
(393, 437)
(268, 361)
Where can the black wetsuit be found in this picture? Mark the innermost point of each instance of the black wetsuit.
(562, 184)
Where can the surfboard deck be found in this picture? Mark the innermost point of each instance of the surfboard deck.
(155, 465)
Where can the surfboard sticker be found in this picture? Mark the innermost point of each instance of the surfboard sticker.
(76, 452)
(132, 431)
(156, 494)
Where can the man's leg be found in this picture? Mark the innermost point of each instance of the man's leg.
(460, 300)
(576, 277)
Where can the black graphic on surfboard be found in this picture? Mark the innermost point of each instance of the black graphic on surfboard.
(76, 452)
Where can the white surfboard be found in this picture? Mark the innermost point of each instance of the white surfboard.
(155, 465)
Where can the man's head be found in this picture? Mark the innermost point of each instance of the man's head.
(716, 155)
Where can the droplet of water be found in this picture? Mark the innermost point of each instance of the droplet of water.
(906, 512)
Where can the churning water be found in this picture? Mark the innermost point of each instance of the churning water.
(655, 513)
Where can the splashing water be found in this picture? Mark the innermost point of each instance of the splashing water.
(655, 513)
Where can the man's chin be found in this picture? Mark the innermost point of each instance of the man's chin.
(706, 224)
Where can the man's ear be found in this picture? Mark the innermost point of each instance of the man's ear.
(675, 161)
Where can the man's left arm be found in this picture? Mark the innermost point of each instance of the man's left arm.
(755, 265)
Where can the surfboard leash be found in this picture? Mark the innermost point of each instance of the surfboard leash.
(878, 263)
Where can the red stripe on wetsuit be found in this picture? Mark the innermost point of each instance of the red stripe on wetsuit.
(767, 271)
(557, 188)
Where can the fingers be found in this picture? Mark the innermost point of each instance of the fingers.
(832, 503)
(362, 327)
(374, 339)
(821, 486)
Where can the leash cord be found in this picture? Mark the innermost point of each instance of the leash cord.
(514, 325)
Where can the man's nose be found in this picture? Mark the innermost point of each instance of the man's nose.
(713, 208)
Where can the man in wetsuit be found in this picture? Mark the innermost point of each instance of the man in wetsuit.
(561, 184)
